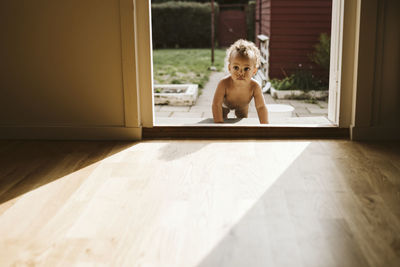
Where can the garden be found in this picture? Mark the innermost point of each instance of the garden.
(303, 83)
(192, 66)
(181, 37)
(181, 32)
(185, 65)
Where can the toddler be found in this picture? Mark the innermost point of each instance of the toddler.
(236, 90)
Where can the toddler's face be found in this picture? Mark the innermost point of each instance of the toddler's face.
(242, 68)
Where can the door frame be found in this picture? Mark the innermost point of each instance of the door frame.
(339, 111)
(335, 69)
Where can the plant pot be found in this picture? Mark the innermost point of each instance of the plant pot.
(175, 94)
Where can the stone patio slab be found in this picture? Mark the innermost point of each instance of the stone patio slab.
(163, 113)
(304, 113)
(318, 110)
(174, 108)
(177, 114)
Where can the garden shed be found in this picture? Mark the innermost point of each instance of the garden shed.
(235, 21)
(293, 28)
(231, 23)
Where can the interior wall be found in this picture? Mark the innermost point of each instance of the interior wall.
(377, 85)
(61, 63)
(62, 68)
(386, 107)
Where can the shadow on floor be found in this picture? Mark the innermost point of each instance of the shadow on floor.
(310, 216)
(177, 150)
(229, 120)
(27, 165)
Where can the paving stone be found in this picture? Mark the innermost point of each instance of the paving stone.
(177, 114)
(313, 115)
(301, 103)
(203, 103)
(163, 114)
(200, 108)
(323, 104)
(252, 108)
(318, 110)
(207, 94)
(269, 99)
(301, 111)
(207, 115)
(302, 115)
(174, 108)
(309, 116)
(282, 101)
(252, 115)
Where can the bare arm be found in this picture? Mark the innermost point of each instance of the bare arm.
(217, 102)
(259, 102)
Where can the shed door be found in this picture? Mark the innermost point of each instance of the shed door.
(231, 26)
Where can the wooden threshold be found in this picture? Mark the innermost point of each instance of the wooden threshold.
(243, 132)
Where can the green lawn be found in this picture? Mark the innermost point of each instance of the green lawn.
(177, 66)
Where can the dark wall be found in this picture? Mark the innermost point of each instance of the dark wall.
(294, 27)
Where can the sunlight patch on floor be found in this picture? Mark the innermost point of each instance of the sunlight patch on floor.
(163, 202)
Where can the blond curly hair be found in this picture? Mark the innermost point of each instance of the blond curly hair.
(244, 48)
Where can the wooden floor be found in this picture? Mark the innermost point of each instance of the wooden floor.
(200, 203)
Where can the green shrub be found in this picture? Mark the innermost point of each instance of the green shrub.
(321, 54)
(182, 24)
(163, 1)
(229, 2)
(284, 84)
(321, 57)
(302, 80)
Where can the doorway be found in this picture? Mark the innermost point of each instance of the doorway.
(337, 11)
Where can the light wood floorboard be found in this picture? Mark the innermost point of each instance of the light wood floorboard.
(200, 203)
